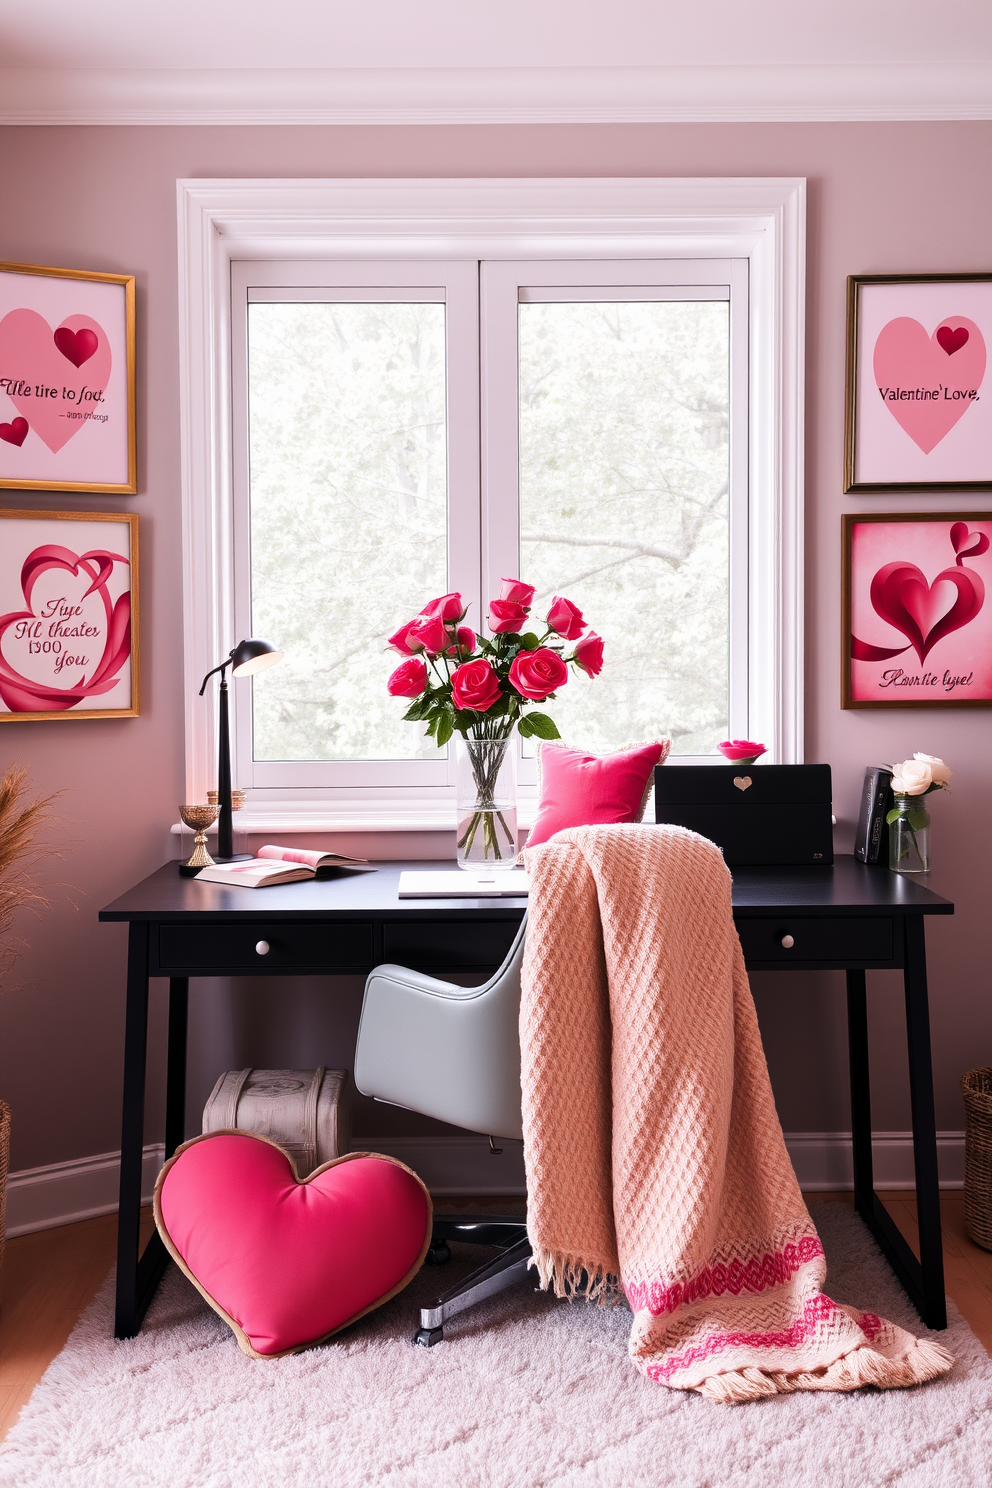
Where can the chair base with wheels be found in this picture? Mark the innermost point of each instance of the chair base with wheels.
(505, 1231)
(454, 1053)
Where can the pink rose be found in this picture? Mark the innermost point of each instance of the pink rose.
(740, 749)
(589, 653)
(445, 607)
(506, 614)
(465, 639)
(400, 642)
(517, 592)
(474, 685)
(535, 674)
(429, 632)
(566, 618)
(409, 678)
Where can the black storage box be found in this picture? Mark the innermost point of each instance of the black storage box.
(759, 815)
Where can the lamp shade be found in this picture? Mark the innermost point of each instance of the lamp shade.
(253, 656)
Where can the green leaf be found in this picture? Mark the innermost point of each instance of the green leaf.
(540, 725)
(445, 729)
(418, 709)
(523, 726)
(529, 642)
(892, 816)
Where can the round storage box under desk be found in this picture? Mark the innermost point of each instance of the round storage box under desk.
(307, 1112)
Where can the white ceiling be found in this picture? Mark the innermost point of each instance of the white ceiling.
(484, 33)
(426, 60)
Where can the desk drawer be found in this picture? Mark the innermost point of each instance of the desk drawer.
(292, 947)
(471, 946)
(816, 940)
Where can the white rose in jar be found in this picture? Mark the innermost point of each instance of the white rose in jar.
(912, 778)
(938, 770)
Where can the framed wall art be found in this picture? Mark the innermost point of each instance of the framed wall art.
(67, 420)
(916, 628)
(919, 398)
(68, 615)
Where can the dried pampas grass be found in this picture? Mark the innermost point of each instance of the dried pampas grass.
(20, 852)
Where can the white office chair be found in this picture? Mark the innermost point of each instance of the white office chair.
(453, 1053)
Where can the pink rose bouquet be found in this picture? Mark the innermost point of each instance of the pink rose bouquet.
(483, 687)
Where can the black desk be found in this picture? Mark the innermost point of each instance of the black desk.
(849, 918)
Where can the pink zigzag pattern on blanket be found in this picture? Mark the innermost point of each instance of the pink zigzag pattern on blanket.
(816, 1311)
(756, 1274)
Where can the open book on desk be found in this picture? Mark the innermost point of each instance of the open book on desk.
(279, 865)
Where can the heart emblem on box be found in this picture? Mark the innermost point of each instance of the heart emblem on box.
(287, 1263)
(743, 782)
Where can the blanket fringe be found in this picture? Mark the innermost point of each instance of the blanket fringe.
(862, 1366)
(568, 1277)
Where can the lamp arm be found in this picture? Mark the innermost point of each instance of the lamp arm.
(206, 679)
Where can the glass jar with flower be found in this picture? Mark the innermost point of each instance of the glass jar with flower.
(478, 690)
(909, 820)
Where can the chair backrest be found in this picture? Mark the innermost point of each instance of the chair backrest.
(446, 1051)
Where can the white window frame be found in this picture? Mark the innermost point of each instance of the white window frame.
(759, 220)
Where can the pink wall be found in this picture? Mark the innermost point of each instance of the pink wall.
(882, 198)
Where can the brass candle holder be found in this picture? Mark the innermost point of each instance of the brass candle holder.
(199, 818)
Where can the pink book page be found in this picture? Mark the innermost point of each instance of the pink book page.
(291, 855)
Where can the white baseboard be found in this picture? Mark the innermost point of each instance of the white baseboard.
(822, 1160)
(41, 1198)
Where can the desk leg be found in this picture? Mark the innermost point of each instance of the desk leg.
(175, 1087)
(857, 1045)
(934, 1310)
(922, 1279)
(136, 1279)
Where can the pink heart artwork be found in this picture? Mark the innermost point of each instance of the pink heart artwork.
(921, 611)
(285, 1263)
(927, 382)
(75, 660)
(50, 375)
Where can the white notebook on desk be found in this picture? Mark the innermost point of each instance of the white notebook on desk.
(459, 884)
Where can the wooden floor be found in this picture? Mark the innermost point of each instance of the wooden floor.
(49, 1278)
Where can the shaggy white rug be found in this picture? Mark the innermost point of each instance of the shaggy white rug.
(525, 1392)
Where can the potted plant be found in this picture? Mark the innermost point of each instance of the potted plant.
(20, 818)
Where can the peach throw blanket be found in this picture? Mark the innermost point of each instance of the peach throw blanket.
(655, 1159)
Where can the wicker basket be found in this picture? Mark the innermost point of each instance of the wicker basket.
(976, 1087)
(4, 1157)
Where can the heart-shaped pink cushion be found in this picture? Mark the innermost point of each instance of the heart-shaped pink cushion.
(286, 1263)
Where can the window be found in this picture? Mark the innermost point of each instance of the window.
(403, 423)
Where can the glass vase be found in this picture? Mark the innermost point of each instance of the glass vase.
(486, 802)
(909, 835)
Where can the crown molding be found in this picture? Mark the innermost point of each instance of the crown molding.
(635, 95)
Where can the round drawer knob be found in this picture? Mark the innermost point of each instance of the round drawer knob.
(262, 947)
(788, 942)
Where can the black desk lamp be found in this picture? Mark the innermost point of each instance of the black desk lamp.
(246, 658)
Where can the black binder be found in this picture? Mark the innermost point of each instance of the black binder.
(759, 815)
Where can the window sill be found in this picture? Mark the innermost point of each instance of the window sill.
(367, 816)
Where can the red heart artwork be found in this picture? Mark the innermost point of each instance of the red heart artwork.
(15, 432)
(951, 340)
(77, 346)
(285, 1263)
(52, 388)
(24, 694)
(924, 612)
(929, 382)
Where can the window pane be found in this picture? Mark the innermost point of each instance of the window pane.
(624, 479)
(348, 482)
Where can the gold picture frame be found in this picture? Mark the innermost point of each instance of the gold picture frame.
(43, 371)
(925, 436)
(63, 595)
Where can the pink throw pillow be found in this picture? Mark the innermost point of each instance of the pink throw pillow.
(579, 789)
(287, 1263)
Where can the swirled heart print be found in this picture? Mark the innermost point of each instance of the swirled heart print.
(921, 610)
(66, 622)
